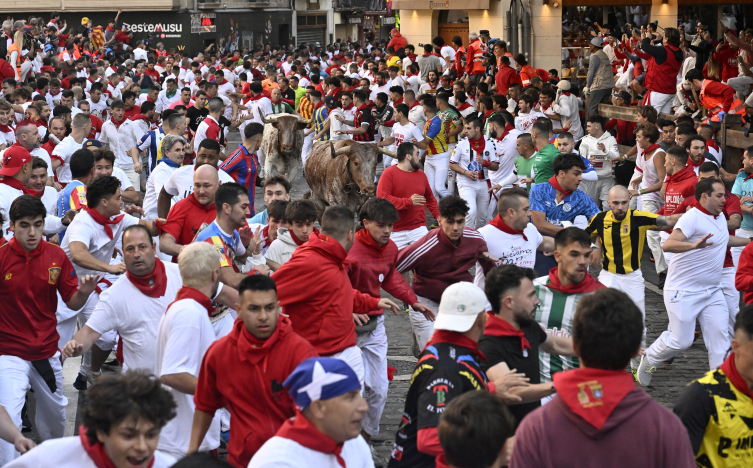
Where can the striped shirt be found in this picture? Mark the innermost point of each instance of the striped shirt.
(555, 314)
(243, 168)
(306, 109)
(320, 119)
(622, 241)
(436, 131)
(72, 197)
(451, 120)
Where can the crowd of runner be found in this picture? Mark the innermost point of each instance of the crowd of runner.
(130, 238)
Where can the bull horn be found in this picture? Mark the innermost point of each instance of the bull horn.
(264, 119)
(303, 120)
(386, 152)
(338, 152)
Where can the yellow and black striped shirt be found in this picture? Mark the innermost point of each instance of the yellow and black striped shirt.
(622, 241)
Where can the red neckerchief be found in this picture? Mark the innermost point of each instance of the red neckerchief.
(154, 284)
(495, 326)
(301, 430)
(704, 210)
(693, 164)
(96, 451)
(256, 97)
(487, 114)
(730, 370)
(318, 105)
(750, 176)
(190, 293)
(556, 185)
(398, 102)
(427, 55)
(508, 128)
(415, 103)
(432, 86)
(478, 144)
(350, 106)
(265, 234)
(463, 106)
(455, 338)
(29, 256)
(6, 128)
(277, 102)
(593, 394)
(711, 144)
(681, 173)
(298, 241)
(136, 117)
(565, 93)
(543, 109)
(18, 185)
(498, 223)
(366, 238)
(364, 107)
(104, 222)
(589, 284)
(650, 148)
(118, 124)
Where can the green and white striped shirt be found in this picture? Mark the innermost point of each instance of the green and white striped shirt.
(555, 313)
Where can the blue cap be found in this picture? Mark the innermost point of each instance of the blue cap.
(320, 378)
(91, 142)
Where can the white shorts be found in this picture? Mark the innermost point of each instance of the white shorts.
(353, 357)
(405, 238)
(373, 347)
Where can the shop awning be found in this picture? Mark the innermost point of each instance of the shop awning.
(440, 5)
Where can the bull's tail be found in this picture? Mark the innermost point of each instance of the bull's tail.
(307, 195)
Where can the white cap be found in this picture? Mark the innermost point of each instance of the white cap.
(564, 85)
(460, 306)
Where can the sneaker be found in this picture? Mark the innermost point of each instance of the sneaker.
(415, 351)
(644, 372)
(635, 374)
(225, 436)
(112, 364)
(662, 278)
(378, 462)
(696, 335)
(635, 362)
(669, 361)
(80, 384)
(406, 307)
(92, 376)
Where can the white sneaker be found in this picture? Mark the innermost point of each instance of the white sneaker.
(645, 371)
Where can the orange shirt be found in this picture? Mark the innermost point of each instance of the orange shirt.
(269, 85)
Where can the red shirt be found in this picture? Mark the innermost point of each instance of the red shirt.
(506, 75)
(246, 375)
(153, 74)
(316, 293)
(96, 127)
(50, 147)
(185, 219)
(744, 274)
(135, 110)
(397, 186)
(731, 207)
(29, 283)
(678, 187)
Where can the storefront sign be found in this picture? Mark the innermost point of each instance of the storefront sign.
(388, 20)
(203, 23)
(162, 30)
(355, 20)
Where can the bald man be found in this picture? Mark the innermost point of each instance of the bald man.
(620, 236)
(188, 215)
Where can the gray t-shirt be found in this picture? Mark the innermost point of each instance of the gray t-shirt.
(427, 64)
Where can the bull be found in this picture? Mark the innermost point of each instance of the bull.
(342, 173)
(281, 145)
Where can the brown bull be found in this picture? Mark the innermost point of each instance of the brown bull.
(342, 173)
(281, 145)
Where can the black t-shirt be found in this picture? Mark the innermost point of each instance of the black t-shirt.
(444, 371)
(224, 123)
(195, 117)
(288, 94)
(507, 349)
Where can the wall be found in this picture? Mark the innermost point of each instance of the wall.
(492, 19)
(419, 26)
(665, 13)
(546, 24)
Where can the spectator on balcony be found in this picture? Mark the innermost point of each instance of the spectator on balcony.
(396, 40)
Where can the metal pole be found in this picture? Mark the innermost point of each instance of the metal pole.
(527, 34)
(514, 10)
(508, 30)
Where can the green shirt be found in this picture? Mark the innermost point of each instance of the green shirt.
(299, 93)
(282, 108)
(451, 120)
(543, 164)
(523, 167)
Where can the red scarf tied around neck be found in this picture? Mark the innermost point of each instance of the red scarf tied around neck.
(298, 241)
(455, 338)
(498, 223)
(556, 185)
(593, 394)
(495, 326)
(18, 185)
(693, 164)
(589, 284)
(96, 451)
(302, 431)
(366, 238)
(730, 370)
(190, 293)
(101, 220)
(154, 284)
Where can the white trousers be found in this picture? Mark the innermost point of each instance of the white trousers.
(373, 347)
(16, 377)
(436, 168)
(741, 84)
(422, 328)
(632, 285)
(732, 296)
(709, 307)
(654, 239)
(661, 102)
(353, 357)
(134, 177)
(476, 193)
(452, 176)
(68, 320)
(405, 238)
(598, 189)
(308, 144)
(736, 251)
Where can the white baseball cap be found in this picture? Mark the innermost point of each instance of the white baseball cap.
(459, 307)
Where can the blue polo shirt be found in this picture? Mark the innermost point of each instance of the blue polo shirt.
(744, 188)
(543, 199)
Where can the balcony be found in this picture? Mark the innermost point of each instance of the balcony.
(354, 5)
(88, 6)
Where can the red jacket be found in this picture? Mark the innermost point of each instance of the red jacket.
(398, 42)
(246, 375)
(744, 275)
(473, 64)
(316, 293)
(397, 186)
(506, 75)
(371, 267)
(679, 185)
(727, 56)
(437, 262)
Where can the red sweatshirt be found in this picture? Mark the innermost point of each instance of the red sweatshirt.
(744, 274)
(678, 186)
(397, 186)
(246, 374)
(371, 267)
(316, 293)
(437, 262)
(727, 56)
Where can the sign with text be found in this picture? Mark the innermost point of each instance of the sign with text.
(203, 23)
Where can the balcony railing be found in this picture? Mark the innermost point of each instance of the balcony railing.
(369, 5)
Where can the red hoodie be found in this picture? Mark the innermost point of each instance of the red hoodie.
(246, 375)
(679, 185)
(398, 42)
(316, 293)
(744, 274)
(371, 267)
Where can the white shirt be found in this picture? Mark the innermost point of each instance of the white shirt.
(417, 117)
(119, 140)
(84, 229)
(140, 54)
(135, 316)
(64, 150)
(226, 88)
(154, 184)
(465, 157)
(50, 200)
(385, 88)
(52, 224)
(125, 182)
(8, 138)
(404, 133)
(601, 160)
(510, 249)
(279, 452)
(183, 337)
(507, 151)
(698, 269)
(447, 53)
(412, 83)
(98, 109)
(69, 453)
(180, 182)
(524, 122)
(163, 102)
